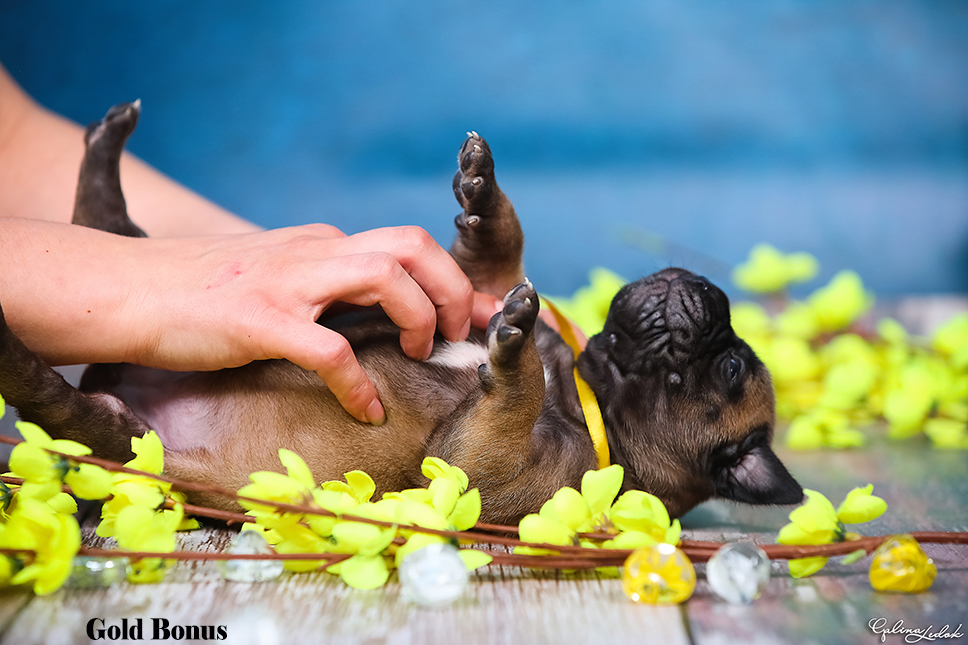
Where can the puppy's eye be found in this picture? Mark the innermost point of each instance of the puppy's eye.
(734, 368)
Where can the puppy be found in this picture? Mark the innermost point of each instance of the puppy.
(687, 406)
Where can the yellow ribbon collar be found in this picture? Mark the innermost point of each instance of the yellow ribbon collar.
(589, 404)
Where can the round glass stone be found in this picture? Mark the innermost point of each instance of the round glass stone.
(737, 572)
(900, 564)
(249, 543)
(658, 574)
(433, 576)
(90, 573)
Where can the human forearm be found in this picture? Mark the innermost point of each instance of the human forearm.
(67, 290)
(40, 154)
(74, 295)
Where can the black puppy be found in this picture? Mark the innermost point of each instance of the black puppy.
(687, 406)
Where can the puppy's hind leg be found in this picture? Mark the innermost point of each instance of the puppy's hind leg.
(490, 434)
(42, 396)
(99, 202)
(489, 242)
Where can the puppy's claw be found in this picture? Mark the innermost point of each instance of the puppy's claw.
(505, 333)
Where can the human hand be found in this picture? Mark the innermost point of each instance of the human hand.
(229, 300)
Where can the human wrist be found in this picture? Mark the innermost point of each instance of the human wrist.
(70, 293)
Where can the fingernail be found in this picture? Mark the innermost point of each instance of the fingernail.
(465, 330)
(428, 350)
(375, 413)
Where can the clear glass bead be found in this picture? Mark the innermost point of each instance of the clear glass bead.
(249, 543)
(433, 576)
(90, 573)
(738, 572)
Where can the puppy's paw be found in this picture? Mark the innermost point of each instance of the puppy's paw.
(474, 181)
(510, 329)
(115, 127)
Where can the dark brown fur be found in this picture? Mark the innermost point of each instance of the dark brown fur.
(687, 405)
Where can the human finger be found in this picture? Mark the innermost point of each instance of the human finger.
(485, 306)
(324, 351)
(375, 278)
(430, 266)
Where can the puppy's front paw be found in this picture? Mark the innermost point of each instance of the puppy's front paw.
(510, 329)
(474, 181)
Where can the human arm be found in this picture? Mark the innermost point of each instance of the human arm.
(40, 153)
(75, 295)
(210, 302)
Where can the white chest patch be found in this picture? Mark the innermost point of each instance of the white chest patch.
(458, 355)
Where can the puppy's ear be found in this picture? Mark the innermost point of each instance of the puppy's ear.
(757, 478)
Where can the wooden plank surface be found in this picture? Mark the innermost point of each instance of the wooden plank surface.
(926, 489)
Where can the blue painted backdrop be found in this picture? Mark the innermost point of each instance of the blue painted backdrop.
(630, 134)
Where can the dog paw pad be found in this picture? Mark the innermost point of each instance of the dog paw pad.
(474, 180)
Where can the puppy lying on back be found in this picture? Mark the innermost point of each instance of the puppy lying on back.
(688, 408)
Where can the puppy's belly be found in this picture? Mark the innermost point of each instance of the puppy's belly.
(458, 355)
(174, 405)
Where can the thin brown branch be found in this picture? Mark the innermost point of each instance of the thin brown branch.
(331, 558)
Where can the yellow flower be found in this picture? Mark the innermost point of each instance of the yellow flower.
(644, 513)
(842, 301)
(53, 537)
(443, 505)
(569, 513)
(767, 270)
(143, 529)
(135, 515)
(816, 522)
(435, 468)
(149, 454)
(293, 488)
(358, 485)
(43, 472)
(299, 538)
(126, 494)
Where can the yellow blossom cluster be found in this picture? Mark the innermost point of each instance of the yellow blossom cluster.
(136, 515)
(634, 520)
(817, 522)
(37, 516)
(832, 378)
(374, 550)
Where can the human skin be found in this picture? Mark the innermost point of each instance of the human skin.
(207, 289)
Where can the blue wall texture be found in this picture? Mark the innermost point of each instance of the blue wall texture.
(630, 134)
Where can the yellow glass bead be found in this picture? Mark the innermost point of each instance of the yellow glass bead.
(900, 564)
(658, 574)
